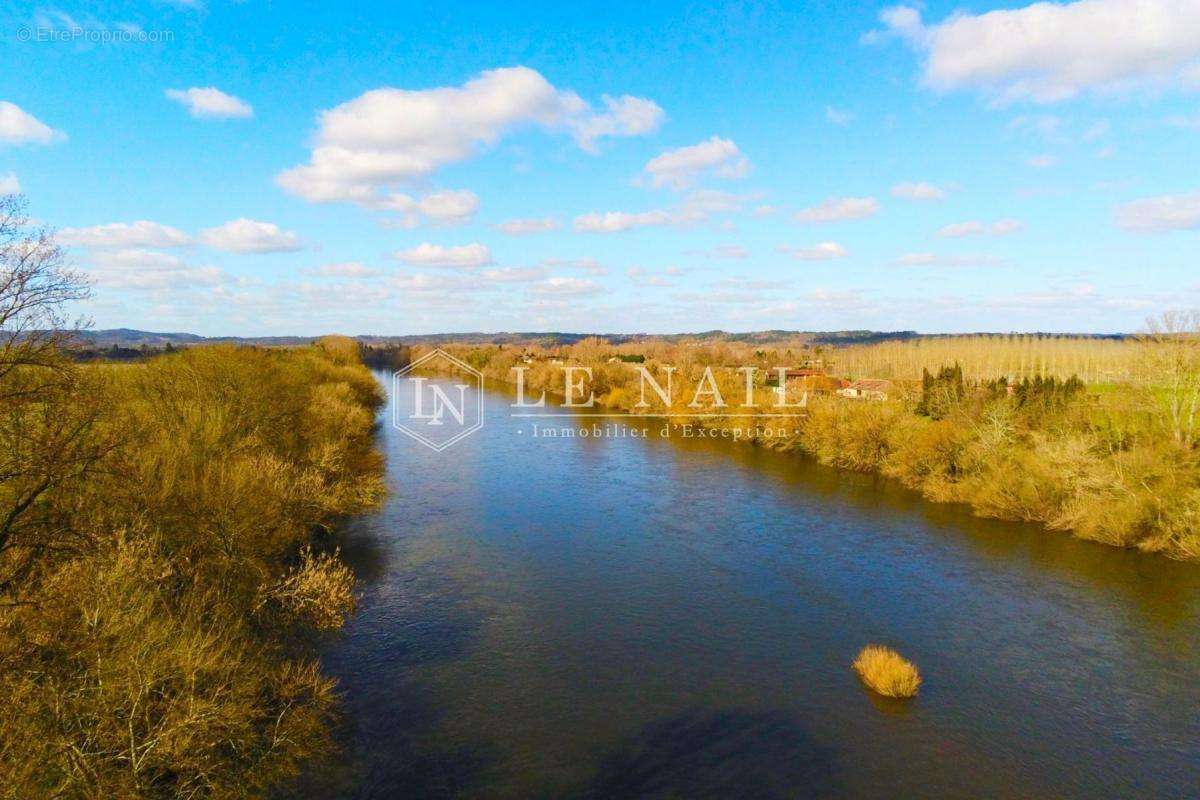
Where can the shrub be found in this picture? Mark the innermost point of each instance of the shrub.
(887, 672)
(319, 593)
(174, 495)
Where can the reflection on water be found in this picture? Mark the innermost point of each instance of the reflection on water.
(619, 618)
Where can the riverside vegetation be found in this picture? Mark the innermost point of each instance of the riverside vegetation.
(1114, 460)
(162, 556)
(887, 672)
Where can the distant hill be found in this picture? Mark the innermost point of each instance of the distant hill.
(131, 338)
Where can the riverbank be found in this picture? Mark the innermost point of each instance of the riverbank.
(165, 565)
(1099, 462)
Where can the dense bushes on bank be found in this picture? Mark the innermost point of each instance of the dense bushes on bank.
(156, 566)
(1116, 464)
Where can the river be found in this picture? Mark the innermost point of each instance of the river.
(672, 618)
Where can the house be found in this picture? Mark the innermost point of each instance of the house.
(867, 389)
(813, 381)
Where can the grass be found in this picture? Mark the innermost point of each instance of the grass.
(887, 672)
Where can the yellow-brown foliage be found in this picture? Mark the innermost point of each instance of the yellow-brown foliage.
(1116, 463)
(887, 672)
(152, 588)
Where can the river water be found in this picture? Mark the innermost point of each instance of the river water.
(673, 618)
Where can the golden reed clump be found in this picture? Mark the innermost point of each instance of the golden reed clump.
(887, 672)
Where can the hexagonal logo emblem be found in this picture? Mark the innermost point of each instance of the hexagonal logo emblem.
(437, 400)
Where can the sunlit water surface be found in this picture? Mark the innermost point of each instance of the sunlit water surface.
(620, 618)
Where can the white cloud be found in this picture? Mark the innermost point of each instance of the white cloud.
(142, 233)
(1001, 227)
(211, 102)
(837, 209)
(918, 191)
(467, 256)
(1160, 214)
(19, 127)
(514, 274)
(250, 236)
(825, 251)
(524, 227)
(838, 117)
(345, 269)
(9, 184)
(149, 270)
(424, 282)
(567, 287)
(442, 208)
(624, 116)
(616, 221)
(1047, 52)
(388, 137)
(1042, 161)
(695, 208)
(682, 167)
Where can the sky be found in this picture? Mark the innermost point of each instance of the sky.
(256, 168)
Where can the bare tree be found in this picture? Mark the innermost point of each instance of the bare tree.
(47, 411)
(35, 286)
(1172, 362)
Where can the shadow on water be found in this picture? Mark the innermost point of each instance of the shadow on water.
(703, 753)
(415, 766)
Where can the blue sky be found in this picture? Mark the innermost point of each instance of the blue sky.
(254, 168)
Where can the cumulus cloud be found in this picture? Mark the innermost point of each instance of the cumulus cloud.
(1001, 227)
(696, 207)
(825, 251)
(566, 287)
(918, 191)
(250, 236)
(20, 127)
(681, 168)
(9, 184)
(1048, 52)
(514, 274)
(525, 227)
(617, 221)
(838, 209)
(142, 233)
(1160, 214)
(389, 137)
(623, 116)
(149, 270)
(441, 209)
(211, 102)
(423, 282)
(467, 256)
